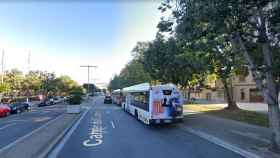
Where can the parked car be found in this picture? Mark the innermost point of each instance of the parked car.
(51, 100)
(108, 100)
(44, 103)
(18, 107)
(27, 105)
(5, 110)
(57, 100)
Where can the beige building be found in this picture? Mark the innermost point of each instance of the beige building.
(244, 90)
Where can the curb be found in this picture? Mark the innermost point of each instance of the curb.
(54, 152)
(222, 143)
(57, 139)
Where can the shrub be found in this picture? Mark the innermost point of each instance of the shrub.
(75, 99)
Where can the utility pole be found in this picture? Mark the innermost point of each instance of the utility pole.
(28, 71)
(88, 67)
(2, 68)
(28, 62)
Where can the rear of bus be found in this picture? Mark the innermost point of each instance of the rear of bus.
(166, 104)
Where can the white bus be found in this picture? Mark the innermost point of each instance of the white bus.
(117, 97)
(154, 104)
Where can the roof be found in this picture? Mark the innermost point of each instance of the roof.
(137, 88)
(117, 90)
(165, 86)
(146, 87)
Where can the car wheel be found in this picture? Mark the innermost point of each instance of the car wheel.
(136, 114)
(8, 113)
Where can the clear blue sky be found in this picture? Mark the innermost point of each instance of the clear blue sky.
(62, 36)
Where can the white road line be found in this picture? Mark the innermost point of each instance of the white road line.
(113, 125)
(222, 143)
(17, 121)
(59, 147)
(8, 125)
(28, 135)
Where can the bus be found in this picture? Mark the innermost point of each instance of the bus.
(157, 104)
(117, 97)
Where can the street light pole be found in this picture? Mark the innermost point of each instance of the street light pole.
(2, 68)
(88, 67)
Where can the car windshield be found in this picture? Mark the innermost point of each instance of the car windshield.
(140, 78)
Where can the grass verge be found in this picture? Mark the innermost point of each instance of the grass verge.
(250, 117)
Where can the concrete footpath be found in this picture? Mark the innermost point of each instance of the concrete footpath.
(248, 140)
(39, 142)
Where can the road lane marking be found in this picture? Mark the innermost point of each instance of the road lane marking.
(221, 143)
(41, 119)
(8, 125)
(59, 147)
(29, 134)
(17, 121)
(113, 125)
(96, 132)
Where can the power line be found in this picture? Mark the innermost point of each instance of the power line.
(88, 66)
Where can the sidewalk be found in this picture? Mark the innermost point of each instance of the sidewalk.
(232, 134)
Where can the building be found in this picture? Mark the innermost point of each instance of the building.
(244, 90)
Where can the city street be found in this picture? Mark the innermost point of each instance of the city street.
(16, 126)
(106, 131)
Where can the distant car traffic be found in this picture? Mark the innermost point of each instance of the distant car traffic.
(5, 110)
(44, 103)
(57, 100)
(27, 105)
(19, 107)
(108, 100)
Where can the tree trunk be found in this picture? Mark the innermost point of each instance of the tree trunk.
(269, 91)
(229, 95)
(189, 94)
(272, 100)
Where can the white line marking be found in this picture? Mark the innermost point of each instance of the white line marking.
(8, 125)
(113, 125)
(59, 147)
(27, 135)
(222, 143)
(13, 121)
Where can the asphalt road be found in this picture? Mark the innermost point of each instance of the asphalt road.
(18, 125)
(106, 131)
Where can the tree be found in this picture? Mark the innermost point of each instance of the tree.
(249, 28)
(167, 61)
(32, 82)
(64, 85)
(133, 72)
(14, 78)
(4, 88)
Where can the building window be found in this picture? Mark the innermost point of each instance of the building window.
(220, 94)
(242, 94)
(242, 78)
(208, 96)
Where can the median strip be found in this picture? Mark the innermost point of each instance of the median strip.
(39, 140)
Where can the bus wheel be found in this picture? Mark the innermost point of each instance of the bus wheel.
(136, 114)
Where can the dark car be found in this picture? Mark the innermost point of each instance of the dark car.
(26, 105)
(44, 103)
(108, 100)
(18, 107)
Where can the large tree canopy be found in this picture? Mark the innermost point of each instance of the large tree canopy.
(233, 33)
